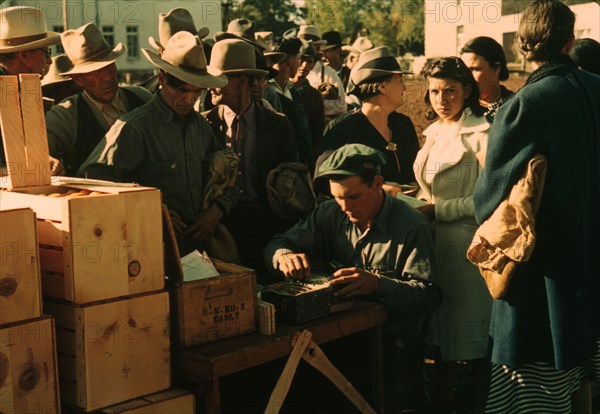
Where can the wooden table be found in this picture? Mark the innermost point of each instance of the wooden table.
(210, 362)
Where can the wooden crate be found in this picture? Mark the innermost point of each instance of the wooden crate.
(112, 351)
(96, 247)
(20, 297)
(91, 248)
(28, 380)
(170, 401)
(215, 308)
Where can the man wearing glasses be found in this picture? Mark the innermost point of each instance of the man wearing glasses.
(24, 42)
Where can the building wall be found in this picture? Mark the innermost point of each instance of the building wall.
(129, 20)
(451, 23)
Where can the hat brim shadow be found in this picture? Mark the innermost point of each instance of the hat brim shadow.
(93, 65)
(211, 78)
(51, 39)
(249, 72)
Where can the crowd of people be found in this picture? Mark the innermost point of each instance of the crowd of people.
(237, 131)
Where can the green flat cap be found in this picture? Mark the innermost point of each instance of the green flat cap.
(352, 159)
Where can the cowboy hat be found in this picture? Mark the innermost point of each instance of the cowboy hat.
(235, 57)
(175, 20)
(333, 39)
(266, 42)
(88, 50)
(375, 63)
(240, 29)
(60, 64)
(184, 58)
(24, 28)
(311, 33)
(361, 44)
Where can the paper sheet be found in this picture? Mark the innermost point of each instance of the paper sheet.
(197, 266)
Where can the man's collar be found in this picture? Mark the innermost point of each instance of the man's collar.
(229, 115)
(383, 217)
(116, 102)
(165, 112)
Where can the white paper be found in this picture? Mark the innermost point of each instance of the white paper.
(197, 266)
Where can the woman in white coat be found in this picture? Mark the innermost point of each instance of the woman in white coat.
(447, 168)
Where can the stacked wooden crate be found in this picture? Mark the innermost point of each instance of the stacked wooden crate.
(28, 377)
(101, 262)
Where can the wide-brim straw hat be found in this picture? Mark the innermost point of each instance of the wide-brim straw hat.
(312, 34)
(235, 57)
(175, 20)
(88, 50)
(60, 64)
(184, 59)
(361, 44)
(24, 28)
(375, 63)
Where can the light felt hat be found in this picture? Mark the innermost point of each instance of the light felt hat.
(242, 29)
(361, 44)
(184, 58)
(269, 52)
(88, 50)
(60, 64)
(311, 33)
(175, 20)
(235, 57)
(375, 63)
(24, 28)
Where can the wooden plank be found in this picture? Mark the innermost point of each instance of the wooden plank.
(51, 259)
(216, 360)
(20, 286)
(11, 125)
(51, 232)
(53, 284)
(34, 125)
(45, 207)
(170, 401)
(66, 342)
(28, 367)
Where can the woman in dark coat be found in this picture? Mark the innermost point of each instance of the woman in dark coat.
(377, 80)
(545, 330)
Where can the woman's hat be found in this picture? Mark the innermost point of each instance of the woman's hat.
(60, 64)
(311, 33)
(184, 58)
(176, 20)
(88, 50)
(235, 57)
(375, 63)
(24, 28)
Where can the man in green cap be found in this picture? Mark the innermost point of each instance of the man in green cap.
(374, 246)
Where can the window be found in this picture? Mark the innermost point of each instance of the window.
(508, 44)
(59, 46)
(460, 38)
(133, 42)
(109, 35)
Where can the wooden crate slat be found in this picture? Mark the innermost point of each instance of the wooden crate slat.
(34, 127)
(11, 124)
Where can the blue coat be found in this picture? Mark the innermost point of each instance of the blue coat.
(552, 310)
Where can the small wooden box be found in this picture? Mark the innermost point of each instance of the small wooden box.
(96, 247)
(20, 297)
(171, 401)
(113, 351)
(216, 308)
(28, 379)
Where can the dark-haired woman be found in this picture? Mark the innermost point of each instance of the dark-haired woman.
(487, 62)
(546, 329)
(447, 168)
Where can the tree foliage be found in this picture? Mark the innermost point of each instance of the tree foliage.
(398, 24)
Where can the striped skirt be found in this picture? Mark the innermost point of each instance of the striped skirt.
(537, 388)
